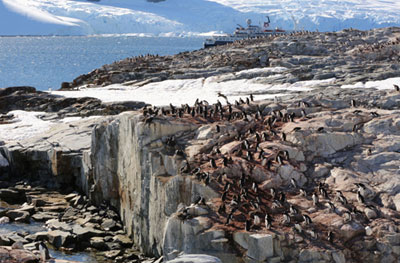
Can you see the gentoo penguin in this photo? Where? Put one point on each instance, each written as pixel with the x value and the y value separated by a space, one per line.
pixel 222 209
pixel 268 221
pixel 360 197
pixel 44 251
pixel 298 228
pixel 229 218
pixel 293 183
pixel 307 219
pixel 347 216
pixel 212 163
pixel 248 225
pixel 315 199
pixel 396 87
pixel 330 236
pixel 257 220
pixel 293 210
pixel 286 219
pixel 222 95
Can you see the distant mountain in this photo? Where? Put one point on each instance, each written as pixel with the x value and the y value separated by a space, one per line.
pixel 185 17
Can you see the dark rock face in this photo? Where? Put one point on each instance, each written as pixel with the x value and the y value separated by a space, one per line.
pixel 29 99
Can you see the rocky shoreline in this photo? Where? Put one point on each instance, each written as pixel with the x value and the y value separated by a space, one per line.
pixel 311 176
pixel 71 224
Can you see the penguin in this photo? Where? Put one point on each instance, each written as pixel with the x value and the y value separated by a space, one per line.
pixel 257 220
pixel 261 154
pixel 298 228
pixel 229 218
pixel 248 225
pixel 296 129
pixel 303 113
pixel 330 236
pixel 249 156
pixel 251 97
pixel 222 209
pixel 273 193
pixel 293 210
pixel 227 186
pixel 347 216
pixel 225 161
pixel 320 129
pixel 293 183
pixel 303 192
pixel 279 159
pixel 353 103
pixel 282 198
pixel 255 187
pixel 307 219
pixel 315 199
pixel 332 207
pixel 195 171
pixel 324 193
pixel 265 136
pixel 223 197
pixel 212 163
pixel 207 179
pixel 286 219
pixel 396 87
pixel 276 204
pixel 268 221
pixel 283 136
pixel 222 95
pixel 44 251
pixel 218 128
pixel 360 197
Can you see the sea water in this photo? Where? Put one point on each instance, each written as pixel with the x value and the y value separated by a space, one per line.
pixel 45 62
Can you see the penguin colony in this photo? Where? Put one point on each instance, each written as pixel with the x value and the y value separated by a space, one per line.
pixel 244 205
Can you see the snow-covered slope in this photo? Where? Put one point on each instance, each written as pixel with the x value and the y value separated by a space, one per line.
pixel 188 16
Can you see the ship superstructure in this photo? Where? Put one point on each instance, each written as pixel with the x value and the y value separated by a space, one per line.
pixel 251 31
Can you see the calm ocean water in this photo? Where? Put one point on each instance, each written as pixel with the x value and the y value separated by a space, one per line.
pixel 45 62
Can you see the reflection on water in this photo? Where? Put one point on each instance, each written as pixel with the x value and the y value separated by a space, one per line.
pixel 20 227
pixel 75 257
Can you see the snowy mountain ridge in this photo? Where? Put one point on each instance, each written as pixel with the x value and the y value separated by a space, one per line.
pixel 178 17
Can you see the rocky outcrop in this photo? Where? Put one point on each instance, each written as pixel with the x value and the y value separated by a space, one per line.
pixel 29 99
pixel 304 55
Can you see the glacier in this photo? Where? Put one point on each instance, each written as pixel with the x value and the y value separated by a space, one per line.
pixel 185 18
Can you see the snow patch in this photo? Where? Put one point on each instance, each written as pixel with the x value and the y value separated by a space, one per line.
pixel 184 91
pixel 378 84
pixel 27 124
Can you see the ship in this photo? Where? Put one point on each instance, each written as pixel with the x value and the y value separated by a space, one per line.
pixel 240 33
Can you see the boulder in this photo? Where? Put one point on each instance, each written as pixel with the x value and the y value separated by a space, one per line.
pixel 18 215
pixel 12 196
pixel 260 247
pixel 60 239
